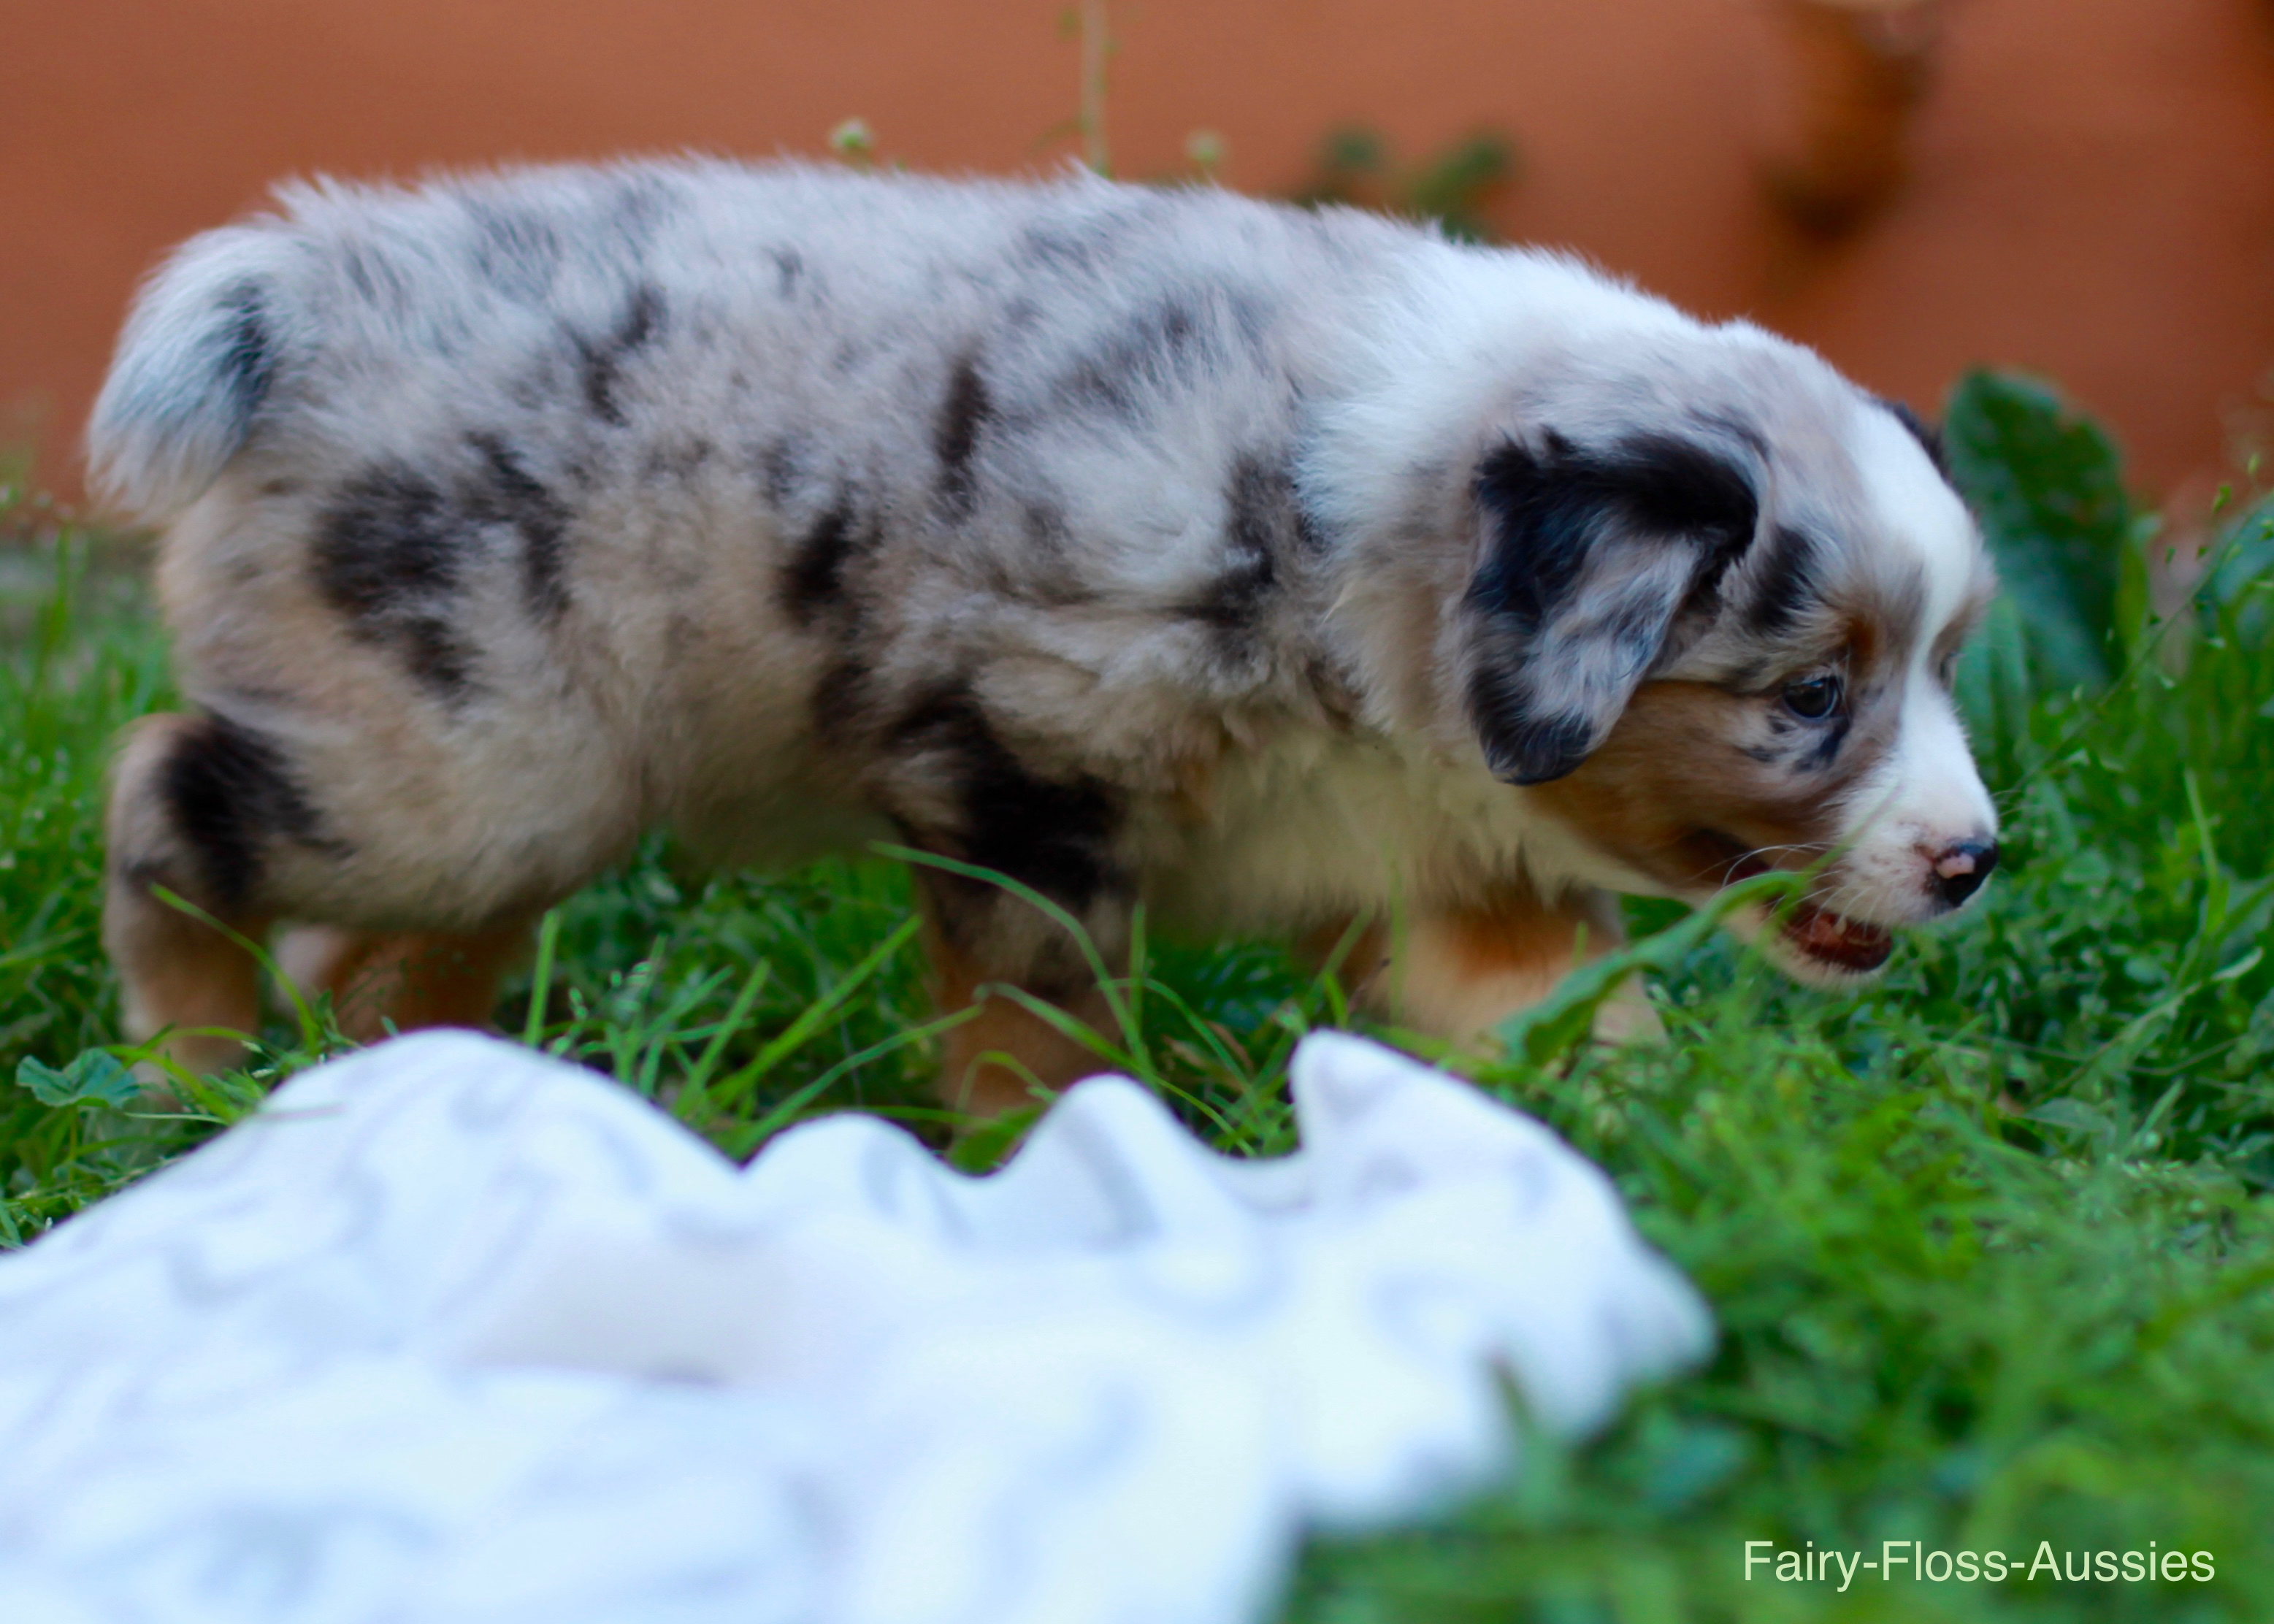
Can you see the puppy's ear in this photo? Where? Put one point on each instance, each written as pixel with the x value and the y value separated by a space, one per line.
pixel 1589 555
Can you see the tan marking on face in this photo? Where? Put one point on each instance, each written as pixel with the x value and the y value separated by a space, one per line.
pixel 1859 649
pixel 1672 793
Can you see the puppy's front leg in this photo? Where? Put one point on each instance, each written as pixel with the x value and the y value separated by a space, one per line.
pixel 403 982
pixel 980 940
pixel 1461 971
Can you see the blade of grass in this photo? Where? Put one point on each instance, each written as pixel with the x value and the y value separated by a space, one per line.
pixel 548 942
pixel 742 1083
pixel 1057 915
pixel 692 1099
pixel 783 1114
pixel 311 1029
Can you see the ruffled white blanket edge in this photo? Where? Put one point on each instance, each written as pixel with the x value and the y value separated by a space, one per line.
pixel 452 1333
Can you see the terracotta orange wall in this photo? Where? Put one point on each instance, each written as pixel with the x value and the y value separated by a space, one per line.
pixel 2093 194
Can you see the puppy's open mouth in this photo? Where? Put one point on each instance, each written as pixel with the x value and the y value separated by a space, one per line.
pixel 1834 939
pixel 1817 935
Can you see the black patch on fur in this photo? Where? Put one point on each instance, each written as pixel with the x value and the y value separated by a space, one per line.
pixel 247 362
pixel 1833 734
pixel 1264 514
pixel 789 271
pixel 1785 584
pixel 383 545
pixel 1057 247
pixel 438 656
pixel 1263 520
pixel 1056 837
pixel 641 202
pixel 1551 509
pixel 1550 513
pixel 963 416
pixel 517 251
pixel 1078 249
pixel 675 460
pixel 1040 573
pixel 363 270
pixel 813 581
pixel 1806 744
pixel 387 555
pixel 509 493
pixel 1929 437
pixel 1533 748
pixel 602 360
pixel 1155 346
pixel 841 697
pixel 1044 524
pixel 1093 383
pixel 781 469
pixel 230 796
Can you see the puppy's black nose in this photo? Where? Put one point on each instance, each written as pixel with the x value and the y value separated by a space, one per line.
pixel 1961 867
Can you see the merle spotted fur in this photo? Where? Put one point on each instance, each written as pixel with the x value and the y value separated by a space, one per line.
pixel 1142 545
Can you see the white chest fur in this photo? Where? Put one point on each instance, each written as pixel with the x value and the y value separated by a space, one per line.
pixel 1316 825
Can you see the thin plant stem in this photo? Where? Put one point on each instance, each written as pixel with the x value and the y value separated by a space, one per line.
pixel 1096 45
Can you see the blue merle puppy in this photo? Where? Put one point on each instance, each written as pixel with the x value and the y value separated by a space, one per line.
pixel 1271 569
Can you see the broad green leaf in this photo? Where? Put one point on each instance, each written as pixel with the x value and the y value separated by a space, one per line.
pixel 2049 491
pixel 1992 681
pixel 95 1077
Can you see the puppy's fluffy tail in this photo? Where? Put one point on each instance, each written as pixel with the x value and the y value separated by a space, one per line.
pixel 200 356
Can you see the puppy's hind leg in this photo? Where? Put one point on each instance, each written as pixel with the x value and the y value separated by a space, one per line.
pixel 404 980
pixel 196 803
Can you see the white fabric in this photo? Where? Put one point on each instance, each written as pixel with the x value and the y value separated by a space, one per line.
pixel 450 1332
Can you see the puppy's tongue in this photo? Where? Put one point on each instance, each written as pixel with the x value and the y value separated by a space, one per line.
pixel 1834 938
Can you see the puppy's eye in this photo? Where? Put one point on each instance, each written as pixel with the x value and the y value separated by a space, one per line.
pixel 1945 668
pixel 1814 698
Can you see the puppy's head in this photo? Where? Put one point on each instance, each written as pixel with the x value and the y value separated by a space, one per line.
pixel 1710 628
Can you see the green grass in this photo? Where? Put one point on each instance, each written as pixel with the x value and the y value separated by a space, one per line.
pixel 1991 1244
